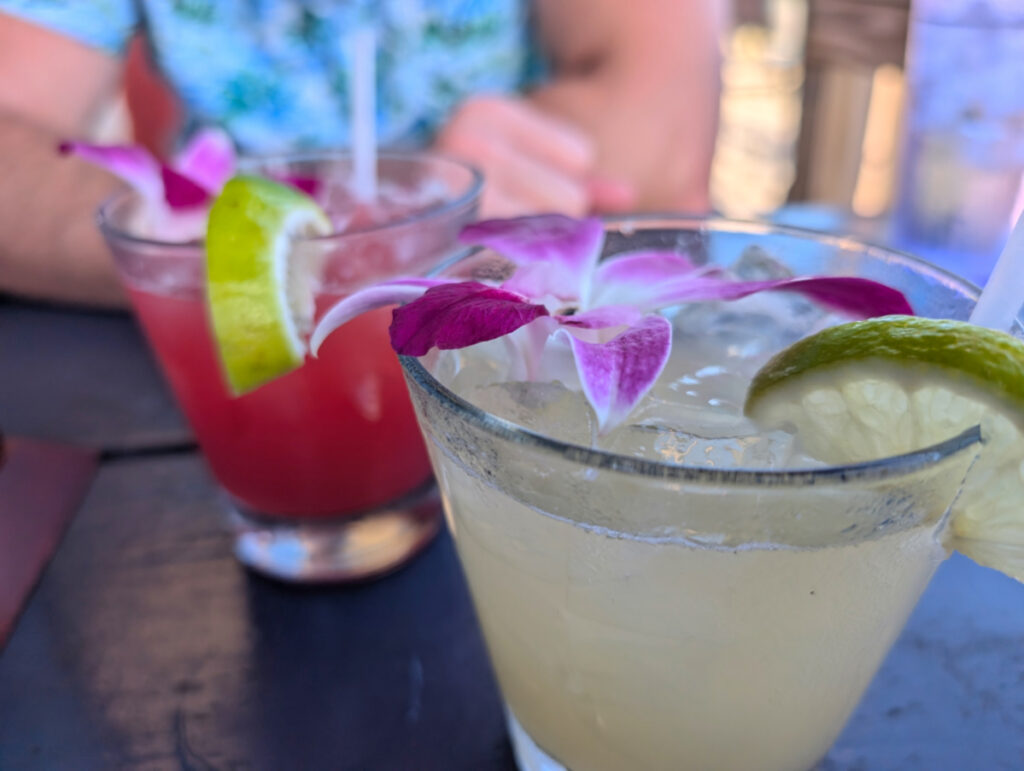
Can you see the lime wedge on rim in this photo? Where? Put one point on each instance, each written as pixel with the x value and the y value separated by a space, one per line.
pixel 886 386
pixel 260 299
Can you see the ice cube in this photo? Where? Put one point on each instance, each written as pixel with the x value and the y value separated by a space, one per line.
pixel 683 447
pixel 546 408
pixel 753 328
pixel 467 369
pixel 757 264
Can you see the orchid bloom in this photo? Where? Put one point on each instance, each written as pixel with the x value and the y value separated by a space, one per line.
pixel 194 176
pixel 605 311
pixel 178 194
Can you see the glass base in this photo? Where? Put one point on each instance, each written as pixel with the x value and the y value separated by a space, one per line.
pixel 529 757
pixel 353 548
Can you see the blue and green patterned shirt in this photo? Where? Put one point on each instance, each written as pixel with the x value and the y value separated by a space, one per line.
pixel 274 73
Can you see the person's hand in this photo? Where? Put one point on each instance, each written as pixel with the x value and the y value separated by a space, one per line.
pixel 532 162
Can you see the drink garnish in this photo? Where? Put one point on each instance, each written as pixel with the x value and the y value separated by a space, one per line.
pixel 260 298
pixel 605 313
pixel 562 294
pixel 885 386
pixel 189 181
pixel 177 195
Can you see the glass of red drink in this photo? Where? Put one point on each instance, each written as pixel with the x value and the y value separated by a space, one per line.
pixel 324 468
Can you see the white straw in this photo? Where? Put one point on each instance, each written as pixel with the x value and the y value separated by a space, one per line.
pixel 1000 302
pixel 362 45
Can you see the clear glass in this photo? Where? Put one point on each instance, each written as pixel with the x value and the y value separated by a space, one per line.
pixel 645 615
pixel 963 145
pixel 324 469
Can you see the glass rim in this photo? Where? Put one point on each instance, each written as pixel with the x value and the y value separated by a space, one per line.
pixel 104 213
pixel 761 228
pixel 866 471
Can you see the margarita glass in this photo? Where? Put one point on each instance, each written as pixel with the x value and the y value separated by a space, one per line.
pixel 684 592
pixel 324 468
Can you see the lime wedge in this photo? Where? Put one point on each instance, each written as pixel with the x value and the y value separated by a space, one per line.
pixel 890 385
pixel 260 300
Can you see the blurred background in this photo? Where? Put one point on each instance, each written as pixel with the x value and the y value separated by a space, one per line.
pixel 814 110
pixel 901 120
pixel 782 58
pixel 811 100
pixel 812 97
pixel 800 80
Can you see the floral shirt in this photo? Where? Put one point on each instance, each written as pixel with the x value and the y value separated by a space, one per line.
pixel 274 73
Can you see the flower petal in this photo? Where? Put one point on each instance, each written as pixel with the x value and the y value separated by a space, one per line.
pixel 617 374
pixel 605 316
pixel 600 324
pixel 455 315
pixel 208 159
pixel 555 254
pixel 132 163
pixel 856 297
pixel 156 183
pixel 400 290
pixel 633 277
pixel 851 296
pixel 180 192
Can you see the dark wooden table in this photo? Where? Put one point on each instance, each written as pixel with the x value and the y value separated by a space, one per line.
pixel 146 646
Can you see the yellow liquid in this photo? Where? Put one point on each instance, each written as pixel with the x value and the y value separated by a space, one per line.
pixel 620 653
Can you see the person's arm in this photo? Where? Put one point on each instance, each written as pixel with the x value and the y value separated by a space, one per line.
pixel 50 87
pixel 642 80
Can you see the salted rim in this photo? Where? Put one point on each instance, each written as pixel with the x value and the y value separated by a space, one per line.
pixel 874 470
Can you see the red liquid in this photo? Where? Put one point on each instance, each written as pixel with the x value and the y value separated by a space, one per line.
pixel 337 436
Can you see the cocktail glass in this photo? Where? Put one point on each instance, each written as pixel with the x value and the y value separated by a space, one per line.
pixel 643 614
pixel 325 471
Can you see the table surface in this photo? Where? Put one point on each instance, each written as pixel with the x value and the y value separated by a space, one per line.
pixel 145 645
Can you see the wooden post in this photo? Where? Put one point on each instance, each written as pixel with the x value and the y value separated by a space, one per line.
pixel 847 41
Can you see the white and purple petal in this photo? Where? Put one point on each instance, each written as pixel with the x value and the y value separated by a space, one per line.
pixel 456 315
pixel 161 186
pixel 600 324
pixel 208 159
pixel 393 292
pixel 134 164
pixel 555 255
pixel 530 348
pixel 850 296
pixel 633 278
pixel 617 374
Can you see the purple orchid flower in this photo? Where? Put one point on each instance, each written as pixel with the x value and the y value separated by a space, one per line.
pixel 195 175
pixel 178 194
pixel 605 312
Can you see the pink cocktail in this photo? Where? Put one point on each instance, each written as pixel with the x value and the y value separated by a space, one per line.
pixel 325 467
